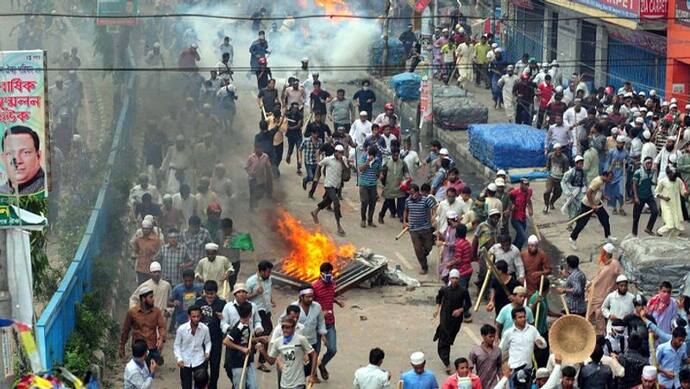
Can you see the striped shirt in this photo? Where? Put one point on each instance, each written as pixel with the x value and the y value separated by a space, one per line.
pixel 419 213
pixel 196 243
pixel 369 176
pixel 309 150
pixel 576 299
pixel 170 259
pixel 324 294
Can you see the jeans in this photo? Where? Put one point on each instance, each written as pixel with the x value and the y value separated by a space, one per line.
pixel 523 113
pixel 187 375
pixel 367 198
pixel 294 141
pixel 249 378
pixel 317 349
pixel 637 212
pixel 311 172
pixel 582 222
pixel 520 227
pixel 331 197
pixel 423 243
pixel 332 347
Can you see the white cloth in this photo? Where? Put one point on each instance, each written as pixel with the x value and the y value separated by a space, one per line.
pixel 161 293
pixel 137 377
pixel 191 349
pixel 215 270
pixel 661 161
pixel 521 345
pixel 333 173
pixel 617 305
pixel 411 159
pixel 359 132
pixel 231 317
pixel 371 377
pixel 648 150
pixel 511 257
pixel 186 206
pixel 136 192
pixel 506 83
pixel 444 206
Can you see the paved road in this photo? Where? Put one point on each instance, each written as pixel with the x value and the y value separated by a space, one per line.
pixel 390 317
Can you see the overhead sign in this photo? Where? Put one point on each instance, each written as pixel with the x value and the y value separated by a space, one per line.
pixel 106 8
pixel 683 12
pixel 23 124
pixel 653 9
pixel 651 42
pixel 624 8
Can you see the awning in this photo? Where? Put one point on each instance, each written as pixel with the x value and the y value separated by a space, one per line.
pixel 583 9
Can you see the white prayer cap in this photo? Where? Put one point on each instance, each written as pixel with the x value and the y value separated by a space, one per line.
pixel 417 358
pixel 155 266
pixel 609 247
pixel 339 148
pixel 664 103
pixel 510 67
pixel 149 218
pixel 494 45
pixel 673 100
pixel 650 114
pixel 642 94
pixel 673 105
pixel 639 120
pixel 532 239
pixel 621 278
pixel 494 211
pixel 687 106
pixel 211 247
pixel 652 92
pixel 305 59
pixel 363 113
pixel 443 151
pixel 500 182
pixel 543 372
pixel 559 89
pixel 629 94
pixel 649 372
pixel 444 30
pixel 646 134
pixel 579 158
pixel 620 138
pixel 454 273
pixel 501 172
pixel 167 197
pixel 615 130
pixel 557 146
pixel 146 224
pixel 498 50
pixel 451 215
pixel 492 187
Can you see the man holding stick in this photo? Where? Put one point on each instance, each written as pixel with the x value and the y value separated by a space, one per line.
pixel 592 203
pixel 238 358
pixel 538 303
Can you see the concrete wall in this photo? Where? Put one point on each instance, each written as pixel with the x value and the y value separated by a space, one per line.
pixel 601 56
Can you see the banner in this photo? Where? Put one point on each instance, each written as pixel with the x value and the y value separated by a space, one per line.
pixel 654 9
pixel 683 12
pixel 624 8
pixel 116 8
pixel 425 101
pixel 23 123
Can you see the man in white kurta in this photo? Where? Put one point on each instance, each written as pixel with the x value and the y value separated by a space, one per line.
pixel 464 53
pixel 669 190
pixel 506 83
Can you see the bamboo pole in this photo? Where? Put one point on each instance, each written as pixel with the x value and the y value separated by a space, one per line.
pixel 565 305
pixel 589 300
pixel 541 289
pixel 482 290
pixel 246 360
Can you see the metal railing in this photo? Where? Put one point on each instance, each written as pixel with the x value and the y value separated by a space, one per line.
pixel 58 319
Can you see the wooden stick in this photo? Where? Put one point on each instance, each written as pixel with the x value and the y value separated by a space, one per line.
pixel 524 284
pixel 246 360
pixel 565 306
pixel 490 269
pixel 578 217
pixel 400 385
pixel 541 289
pixel 482 290
pixel 589 300
pixel 652 351
pixel 404 230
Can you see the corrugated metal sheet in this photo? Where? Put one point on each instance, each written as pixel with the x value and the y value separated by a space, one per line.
pixel 643 68
pixel 526 33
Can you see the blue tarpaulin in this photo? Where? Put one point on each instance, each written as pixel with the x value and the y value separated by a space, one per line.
pixel 396 53
pixel 406 86
pixel 505 145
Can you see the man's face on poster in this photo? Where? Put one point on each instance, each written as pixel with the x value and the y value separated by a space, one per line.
pixel 21 158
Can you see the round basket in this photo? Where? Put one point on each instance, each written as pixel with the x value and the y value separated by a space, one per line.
pixel 573 337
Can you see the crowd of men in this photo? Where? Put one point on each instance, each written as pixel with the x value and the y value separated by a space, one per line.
pixel 600 147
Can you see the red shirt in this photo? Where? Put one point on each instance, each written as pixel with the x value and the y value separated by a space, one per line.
pixel 463 252
pixel 458 185
pixel 324 294
pixel 520 198
pixel 545 93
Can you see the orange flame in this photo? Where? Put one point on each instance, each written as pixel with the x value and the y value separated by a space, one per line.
pixel 309 249
pixel 331 7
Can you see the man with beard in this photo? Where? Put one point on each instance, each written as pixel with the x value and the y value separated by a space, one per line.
pixel 259 289
pixel 619 303
pixel 670 191
pixel 146 322
pixel 643 195
pixel 451 301
pixel 506 83
pixel 591 203
pixel 160 287
pixel 211 315
pixel 536 264
pixel 325 295
pixel 213 267
pixel 574 185
pixel 603 283
pixel 661 162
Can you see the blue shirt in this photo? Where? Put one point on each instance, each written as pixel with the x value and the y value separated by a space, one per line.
pixel 412 380
pixel 369 176
pixel 186 297
pixel 362 96
pixel 419 212
pixel 669 358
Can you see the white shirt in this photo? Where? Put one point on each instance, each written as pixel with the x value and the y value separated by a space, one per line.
pixel 136 193
pixel 278 332
pixel 648 150
pixel 521 345
pixel 636 147
pixel 511 257
pixel 186 206
pixel 231 317
pixel 137 377
pixel 189 348
pixel 571 118
pixel 371 377
pixel 334 172
pixel 412 161
pixel 389 140
pixel 443 207
pixel 360 131
pixel 661 161
pixel 617 305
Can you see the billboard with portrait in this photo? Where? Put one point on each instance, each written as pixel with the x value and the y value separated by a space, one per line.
pixel 23 120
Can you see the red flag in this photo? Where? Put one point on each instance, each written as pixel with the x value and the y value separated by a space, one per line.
pixel 421 4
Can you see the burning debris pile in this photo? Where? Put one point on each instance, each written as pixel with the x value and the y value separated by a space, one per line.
pixel 310 248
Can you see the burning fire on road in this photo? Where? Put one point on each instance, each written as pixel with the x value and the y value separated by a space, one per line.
pixel 309 249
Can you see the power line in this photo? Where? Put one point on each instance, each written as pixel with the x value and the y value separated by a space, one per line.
pixel 316 16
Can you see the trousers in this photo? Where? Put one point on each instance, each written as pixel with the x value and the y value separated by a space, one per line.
pixel 214 364
pixel 637 212
pixel 395 206
pixel 187 375
pixel 331 197
pixel 553 191
pixel 423 242
pixel 267 324
pixel 602 215
pixel 367 199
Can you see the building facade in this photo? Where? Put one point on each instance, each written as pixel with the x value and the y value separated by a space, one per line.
pixel 678 55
